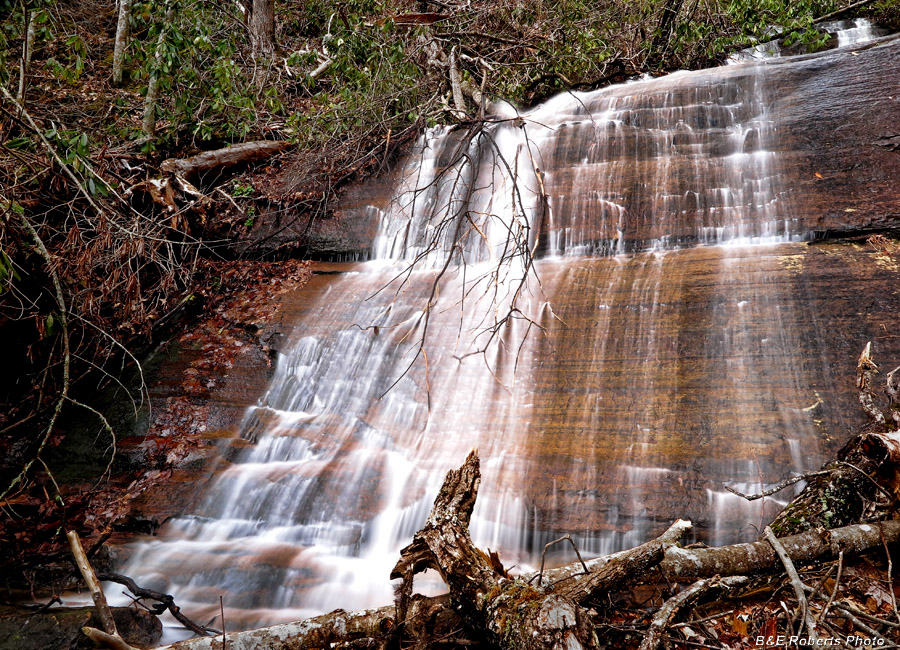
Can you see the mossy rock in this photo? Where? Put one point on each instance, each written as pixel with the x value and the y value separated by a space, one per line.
pixel 60 628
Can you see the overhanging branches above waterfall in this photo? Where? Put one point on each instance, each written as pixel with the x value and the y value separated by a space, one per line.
pixel 472 211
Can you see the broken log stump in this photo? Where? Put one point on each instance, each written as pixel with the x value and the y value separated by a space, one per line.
pixel 510 612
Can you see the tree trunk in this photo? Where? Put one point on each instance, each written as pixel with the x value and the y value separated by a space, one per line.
pixel 27 50
pixel 660 43
pixel 149 122
pixel 262 28
pixel 121 41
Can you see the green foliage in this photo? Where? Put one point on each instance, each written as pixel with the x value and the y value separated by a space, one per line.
pixel 203 87
pixel 13 28
pixel 69 69
pixel 8 272
pixel 887 14
pixel 240 189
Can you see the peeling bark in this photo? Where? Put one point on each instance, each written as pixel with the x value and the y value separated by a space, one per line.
pixel 314 632
pixel 510 613
pixel 753 557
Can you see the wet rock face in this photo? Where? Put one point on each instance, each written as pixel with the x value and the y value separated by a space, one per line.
pixel 667 376
pixel 838 135
pixel 60 628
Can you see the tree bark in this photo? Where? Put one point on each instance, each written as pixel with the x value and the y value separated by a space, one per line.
pixel 262 28
pixel 221 159
pixel 152 97
pixel 27 50
pixel 425 617
pixel 121 41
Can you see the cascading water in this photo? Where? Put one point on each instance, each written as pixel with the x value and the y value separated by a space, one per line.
pixel 610 385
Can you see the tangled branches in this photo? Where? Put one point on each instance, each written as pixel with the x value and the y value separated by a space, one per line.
pixel 86 272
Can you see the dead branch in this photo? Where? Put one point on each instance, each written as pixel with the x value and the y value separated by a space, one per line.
pixel 316 632
pixel 104 613
pixel 752 557
pixel 865 374
pixel 619 569
pixel 670 608
pixel 779 487
pixel 166 602
pixel 796 583
pixel 221 159
pixel 103 640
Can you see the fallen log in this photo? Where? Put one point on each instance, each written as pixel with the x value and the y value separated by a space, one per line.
pixel 222 159
pixel 425 616
pixel 753 557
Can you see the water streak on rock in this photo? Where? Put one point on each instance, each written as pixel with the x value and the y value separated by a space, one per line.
pixel 670 339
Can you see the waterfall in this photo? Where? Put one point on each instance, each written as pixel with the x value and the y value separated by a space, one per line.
pixel 599 294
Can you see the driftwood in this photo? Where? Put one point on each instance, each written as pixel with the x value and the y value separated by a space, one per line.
pixel 90 578
pixel 221 159
pixel 109 635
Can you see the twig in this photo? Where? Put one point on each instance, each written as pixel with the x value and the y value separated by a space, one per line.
pixel 712 617
pixel 672 605
pixel 66 360
pixel 878 487
pixel 779 487
pixel 847 613
pixel 52 151
pixel 867 616
pixel 796 583
pixel 837 582
pixel 166 601
pixel 222 611
pixel 556 541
